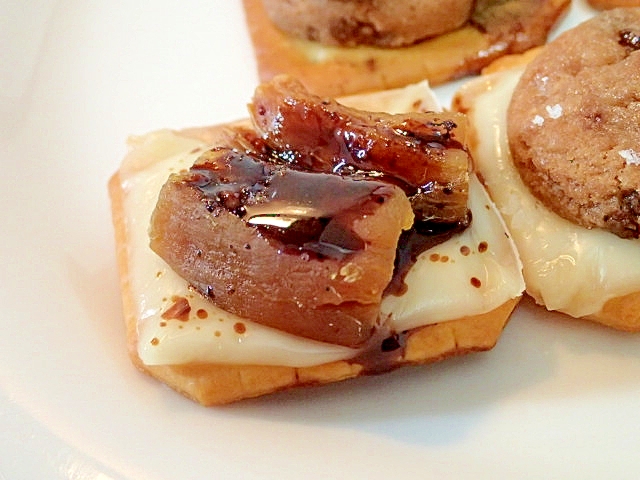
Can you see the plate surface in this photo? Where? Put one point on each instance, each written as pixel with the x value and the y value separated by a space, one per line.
pixel 555 399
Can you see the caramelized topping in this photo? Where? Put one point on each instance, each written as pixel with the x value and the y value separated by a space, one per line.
pixel 297 211
pixel 299 228
pixel 421 153
pixel 285 248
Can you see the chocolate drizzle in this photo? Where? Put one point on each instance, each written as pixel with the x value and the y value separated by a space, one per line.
pixel 260 185
pixel 422 237
pixel 299 211
pixel 629 39
pixel 295 224
pixel 420 153
pixel 384 353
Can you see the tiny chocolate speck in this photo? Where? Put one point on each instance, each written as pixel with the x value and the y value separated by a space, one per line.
pixel 371 64
pixel 390 344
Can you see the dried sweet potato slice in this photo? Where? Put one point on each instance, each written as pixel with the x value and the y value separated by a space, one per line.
pixel 307 253
pixel 423 153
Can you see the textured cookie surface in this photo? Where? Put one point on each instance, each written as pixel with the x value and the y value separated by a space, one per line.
pixel 371 22
pixel 573 124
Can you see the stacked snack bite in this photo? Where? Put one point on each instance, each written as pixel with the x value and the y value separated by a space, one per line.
pixel 341 47
pixel 314 243
pixel 564 166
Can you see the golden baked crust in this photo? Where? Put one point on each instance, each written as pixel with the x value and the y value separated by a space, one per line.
pixel 495 29
pixel 608 4
pixel 621 313
pixel 211 384
pixel 511 61
pixel 385 23
pixel 214 384
pixel 571 124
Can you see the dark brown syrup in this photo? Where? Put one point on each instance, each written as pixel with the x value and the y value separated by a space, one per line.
pixel 299 211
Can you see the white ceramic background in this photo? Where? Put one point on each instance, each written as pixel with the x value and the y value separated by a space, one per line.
pixel 555 399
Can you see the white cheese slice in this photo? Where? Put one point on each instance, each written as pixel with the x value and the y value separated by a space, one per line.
pixel 566 267
pixel 476 271
pixel 437 290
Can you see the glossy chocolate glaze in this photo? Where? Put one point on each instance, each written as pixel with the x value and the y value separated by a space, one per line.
pixel 421 153
pixel 259 184
pixel 299 211
pixel 315 210
pixel 423 236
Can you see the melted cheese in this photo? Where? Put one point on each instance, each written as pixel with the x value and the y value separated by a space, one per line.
pixel 437 290
pixel 566 267
pixel 474 271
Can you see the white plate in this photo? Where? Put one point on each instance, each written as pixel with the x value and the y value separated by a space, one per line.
pixel 555 399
